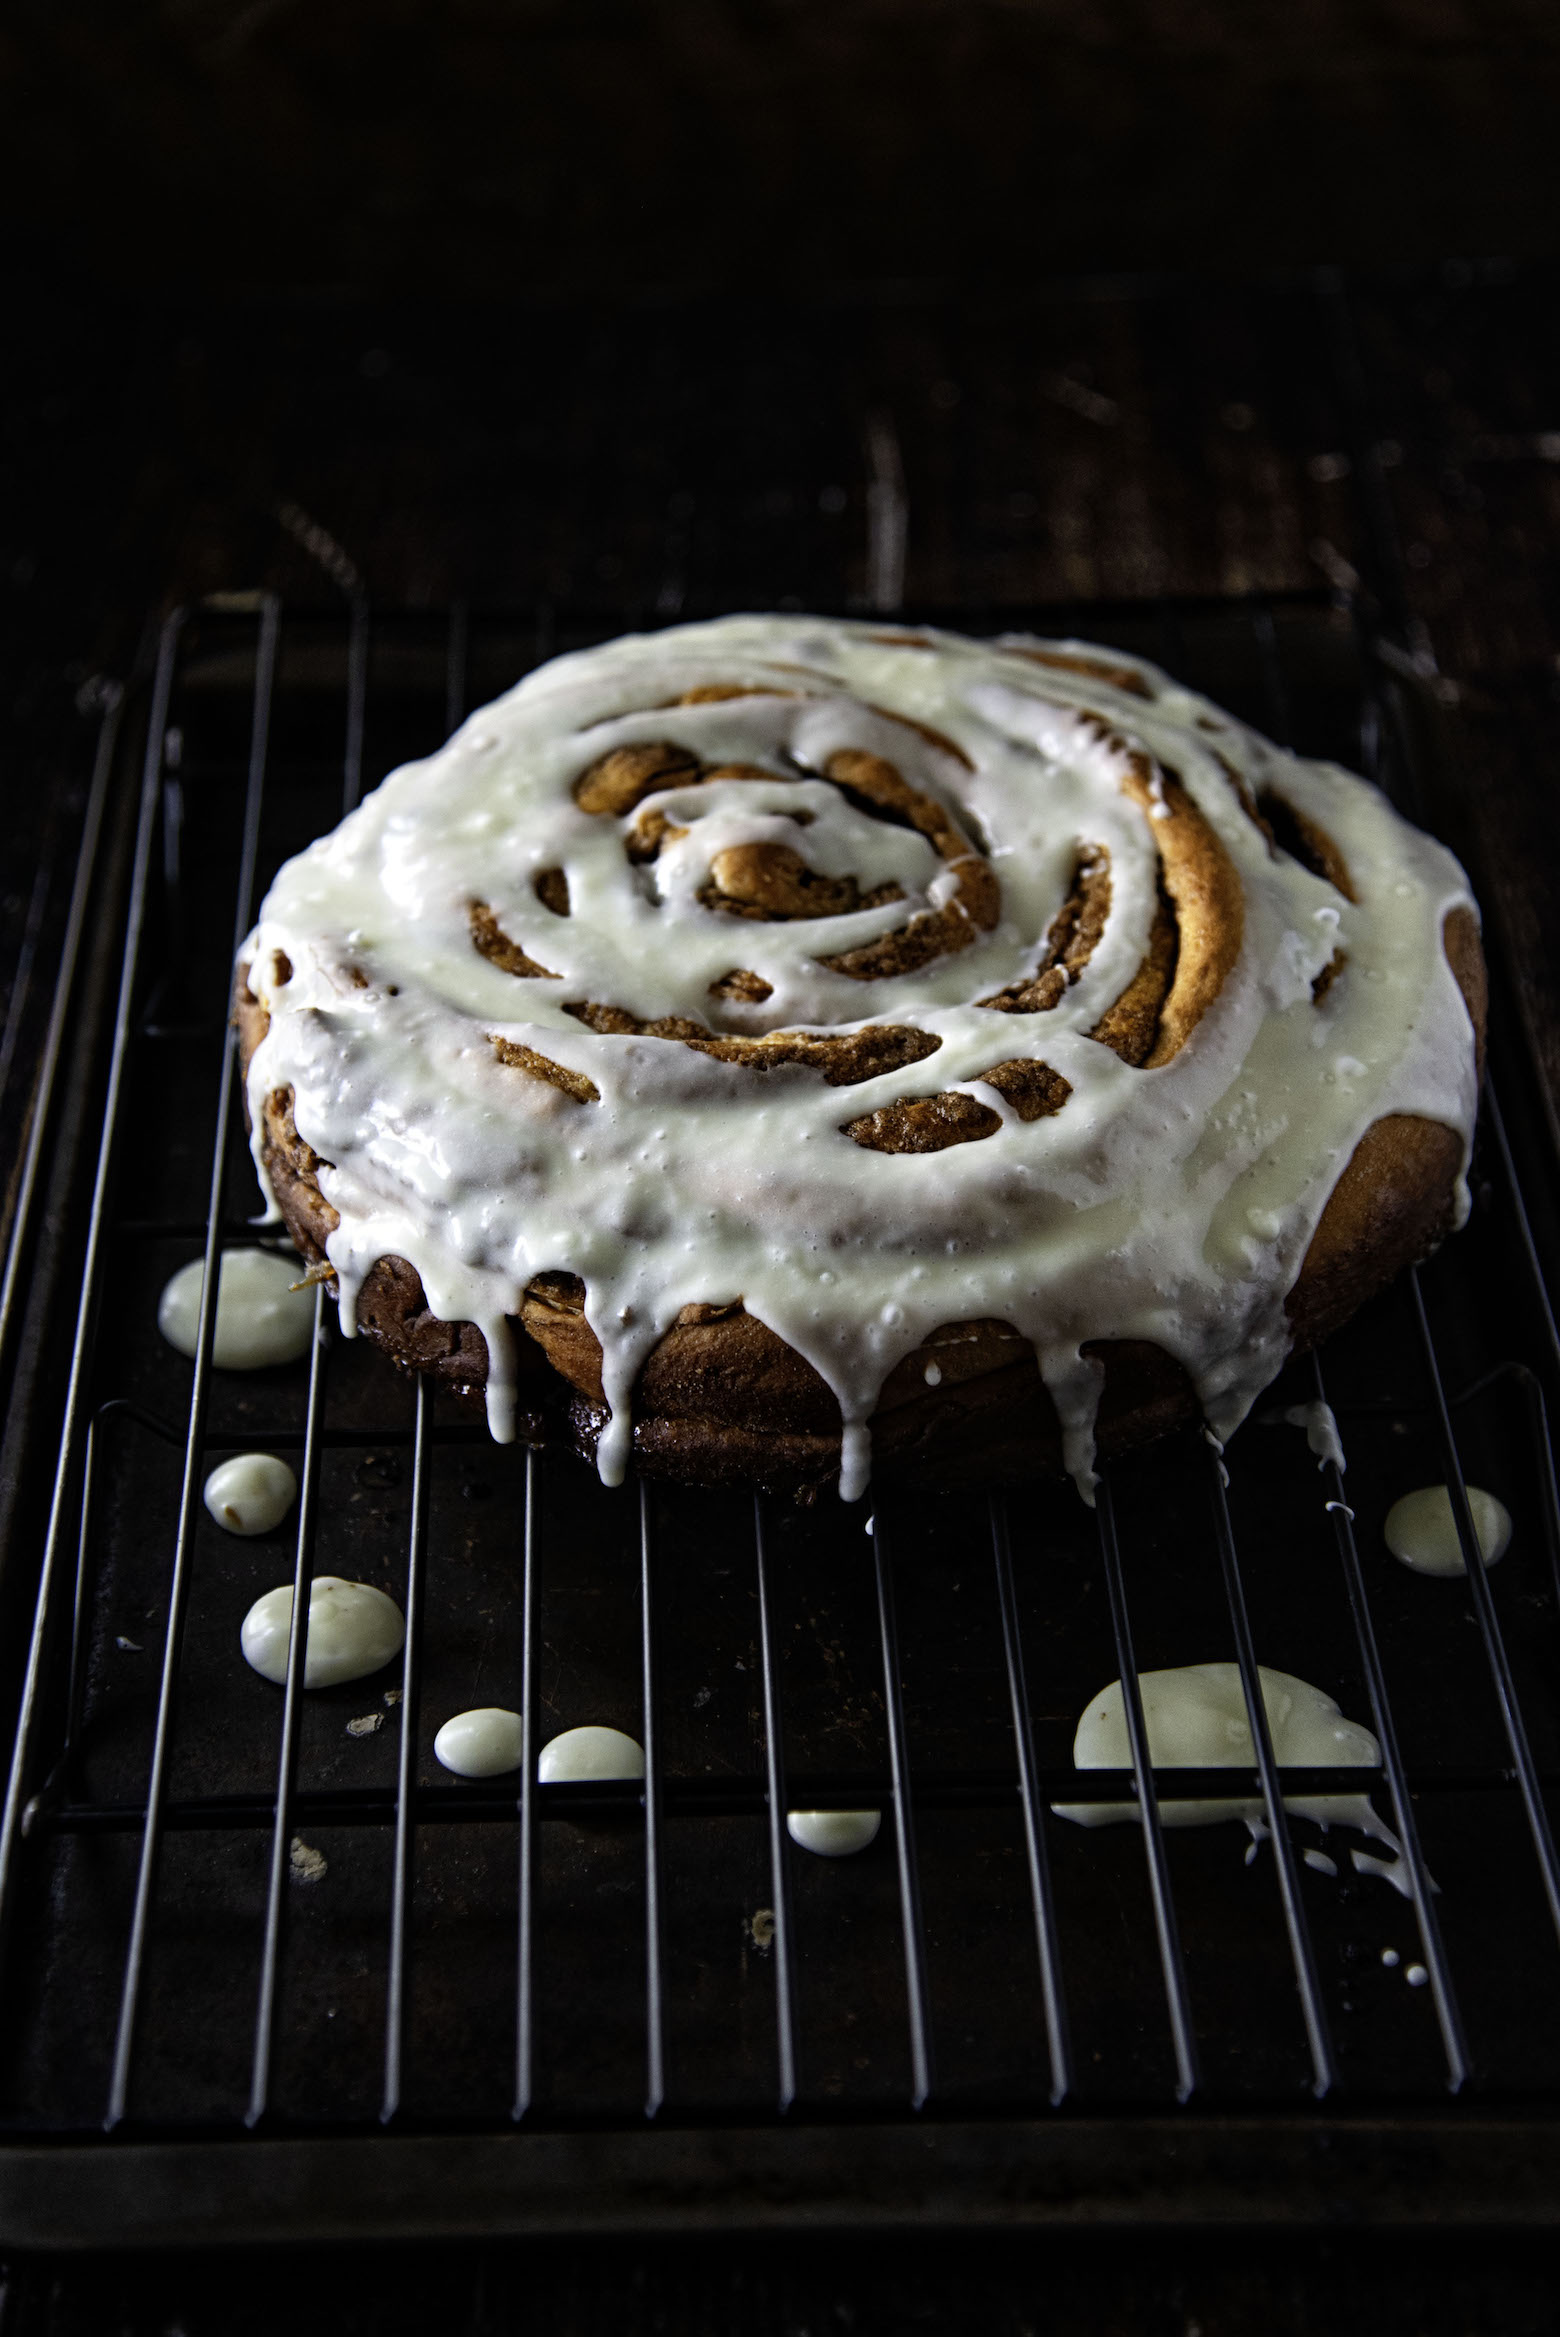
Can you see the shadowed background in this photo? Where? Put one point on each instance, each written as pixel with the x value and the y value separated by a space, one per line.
pixel 644 308
pixel 478 145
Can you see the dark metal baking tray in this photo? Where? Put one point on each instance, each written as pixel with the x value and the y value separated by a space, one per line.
pixel 613 2007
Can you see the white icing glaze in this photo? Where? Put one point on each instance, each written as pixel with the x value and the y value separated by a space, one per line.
pixel 833 1833
pixel 482 1743
pixel 584 1753
pixel 1174 1204
pixel 1196 1719
pixel 261 1317
pixel 1321 1431
pixel 1422 1532
pixel 251 1493
pixel 353 1630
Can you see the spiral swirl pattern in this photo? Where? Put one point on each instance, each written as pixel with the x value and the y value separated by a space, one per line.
pixel 868 981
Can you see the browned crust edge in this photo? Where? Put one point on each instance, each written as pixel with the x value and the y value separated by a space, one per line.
pixel 989 1419
pixel 1396 1197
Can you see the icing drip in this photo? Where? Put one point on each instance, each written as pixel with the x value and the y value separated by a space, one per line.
pixel 1169 1199
pixel 1196 1719
pixel 1321 1431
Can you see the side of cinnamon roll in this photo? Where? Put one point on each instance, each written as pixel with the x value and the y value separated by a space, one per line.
pixel 823 1048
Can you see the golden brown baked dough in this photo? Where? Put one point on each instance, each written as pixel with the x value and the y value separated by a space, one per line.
pixel 593 990
pixel 723 1400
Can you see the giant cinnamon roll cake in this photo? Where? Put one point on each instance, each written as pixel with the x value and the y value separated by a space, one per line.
pixel 826 1048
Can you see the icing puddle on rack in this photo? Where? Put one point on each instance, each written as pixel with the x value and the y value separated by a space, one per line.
pixel 1421 1530
pixel 485 1742
pixel 1196 1719
pixel 353 1630
pixel 833 1833
pixel 251 1493
pixel 582 1755
pixel 263 1315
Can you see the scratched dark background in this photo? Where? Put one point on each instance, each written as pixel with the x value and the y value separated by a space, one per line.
pixel 631 305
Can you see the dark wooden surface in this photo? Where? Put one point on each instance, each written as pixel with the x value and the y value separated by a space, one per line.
pixel 477 145
pixel 679 452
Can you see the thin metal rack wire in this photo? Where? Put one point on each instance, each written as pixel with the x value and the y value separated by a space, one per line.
pixel 775 1812
pixel 195 1434
pixel 42 1805
pixel 525 2006
pixel 1489 1622
pixel 75 1425
pixel 1047 1944
pixel 654 1809
pixel 1145 1790
pixel 24 1196
pixel 401 1886
pixel 1384 1729
pixel 911 1918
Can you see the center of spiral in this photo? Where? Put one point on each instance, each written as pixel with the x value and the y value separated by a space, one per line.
pixel 851 839
pixel 773 850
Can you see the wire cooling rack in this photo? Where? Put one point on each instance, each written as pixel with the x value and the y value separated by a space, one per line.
pixel 258 1940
